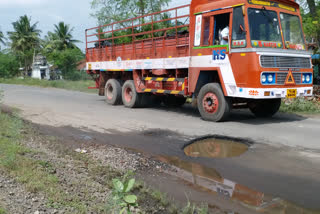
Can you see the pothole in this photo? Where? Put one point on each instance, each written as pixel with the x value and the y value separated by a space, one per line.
pixel 216 147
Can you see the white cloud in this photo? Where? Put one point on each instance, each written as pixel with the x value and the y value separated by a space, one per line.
pixel 21 2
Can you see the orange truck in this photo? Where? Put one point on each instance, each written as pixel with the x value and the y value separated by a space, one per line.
pixel 223 54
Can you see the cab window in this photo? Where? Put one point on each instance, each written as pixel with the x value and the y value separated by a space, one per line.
pixel 221 29
pixel 238 29
pixel 206 31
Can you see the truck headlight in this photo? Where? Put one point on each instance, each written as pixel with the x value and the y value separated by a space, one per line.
pixel 270 78
pixel 264 78
pixel 308 78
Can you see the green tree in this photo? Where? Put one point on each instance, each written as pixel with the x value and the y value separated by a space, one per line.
pixel 60 49
pixel 50 43
pixel 108 11
pixel 60 39
pixel 9 65
pixel 312 7
pixel 63 33
pixel 2 38
pixel 24 41
pixel 67 60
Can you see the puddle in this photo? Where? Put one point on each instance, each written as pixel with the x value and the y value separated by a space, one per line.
pixel 215 147
pixel 211 180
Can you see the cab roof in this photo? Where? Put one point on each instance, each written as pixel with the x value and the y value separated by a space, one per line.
pixel 198 6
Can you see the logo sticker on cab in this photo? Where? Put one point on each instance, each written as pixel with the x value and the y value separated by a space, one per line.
pixel 219 54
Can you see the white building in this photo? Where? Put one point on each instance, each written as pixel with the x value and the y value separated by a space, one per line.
pixel 40 68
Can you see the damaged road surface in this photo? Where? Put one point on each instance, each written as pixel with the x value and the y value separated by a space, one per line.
pixel 246 165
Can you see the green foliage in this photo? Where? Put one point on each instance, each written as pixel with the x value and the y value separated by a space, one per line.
pixel 1 97
pixel 66 60
pixel 311 26
pixel 2 211
pixel 191 209
pixel 9 65
pixel 108 11
pixel 122 198
pixel 2 39
pixel 60 39
pixel 60 49
pixel 24 40
pixel 300 105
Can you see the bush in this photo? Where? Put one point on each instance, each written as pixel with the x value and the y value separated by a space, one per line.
pixel 300 105
pixel 67 60
pixel 9 66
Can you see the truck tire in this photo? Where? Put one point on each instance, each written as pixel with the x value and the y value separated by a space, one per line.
pixel 130 97
pixel 113 92
pixel 212 104
pixel 264 108
pixel 172 101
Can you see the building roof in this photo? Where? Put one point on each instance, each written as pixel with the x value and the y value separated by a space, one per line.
pixel 81 65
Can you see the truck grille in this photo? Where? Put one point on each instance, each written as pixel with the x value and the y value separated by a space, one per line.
pixel 285 62
pixel 281 78
pixel 297 77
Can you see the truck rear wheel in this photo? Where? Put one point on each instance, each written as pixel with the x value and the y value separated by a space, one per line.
pixel 130 97
pixel 212 104
pixel 265 108
pixel 113 92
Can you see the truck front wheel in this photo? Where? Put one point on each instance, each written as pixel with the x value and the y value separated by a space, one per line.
pixel 130 97
pixel 212 104
pixel 265 107
pixel 113 92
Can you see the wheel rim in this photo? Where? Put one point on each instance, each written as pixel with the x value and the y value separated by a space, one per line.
pixel 128 94
pixel 210 103
pixel 109 92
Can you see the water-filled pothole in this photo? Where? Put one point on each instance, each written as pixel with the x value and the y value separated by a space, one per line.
pixel 216 147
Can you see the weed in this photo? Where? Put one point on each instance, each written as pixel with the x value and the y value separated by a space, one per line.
pixel 192 209
pixel 160 197
pixel 300 105
pixel 122 197
pixel 2 211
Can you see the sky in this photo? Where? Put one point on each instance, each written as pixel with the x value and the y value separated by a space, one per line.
pixel 50 12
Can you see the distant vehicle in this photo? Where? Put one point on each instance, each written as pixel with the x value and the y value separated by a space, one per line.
pixel 190 53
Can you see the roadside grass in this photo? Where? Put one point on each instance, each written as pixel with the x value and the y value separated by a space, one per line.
pixel 300 105
pixel 35 175
pixel 2 210
pixel 81 85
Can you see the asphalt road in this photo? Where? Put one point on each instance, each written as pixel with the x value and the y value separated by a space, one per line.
pixel 62 108
pixel 283 160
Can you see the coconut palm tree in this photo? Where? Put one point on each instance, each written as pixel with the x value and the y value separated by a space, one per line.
pixel 2 38
pixel 24 40
pixel 63 33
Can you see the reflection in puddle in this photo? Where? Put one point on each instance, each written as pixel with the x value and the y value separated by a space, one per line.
pixel 211 180
pixel 215 148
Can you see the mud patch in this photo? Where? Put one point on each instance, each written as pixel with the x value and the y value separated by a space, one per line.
pixel 217 147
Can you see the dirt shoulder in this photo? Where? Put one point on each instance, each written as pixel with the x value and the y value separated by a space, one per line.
pixel 45 174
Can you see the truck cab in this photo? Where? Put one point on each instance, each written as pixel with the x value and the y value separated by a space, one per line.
pixel 263 59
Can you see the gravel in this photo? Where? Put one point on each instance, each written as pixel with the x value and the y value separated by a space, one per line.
pixel 84 175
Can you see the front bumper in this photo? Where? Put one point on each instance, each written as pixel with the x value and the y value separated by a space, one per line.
pixel 268 93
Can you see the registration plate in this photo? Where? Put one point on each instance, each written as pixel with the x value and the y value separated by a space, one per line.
pixel 291 93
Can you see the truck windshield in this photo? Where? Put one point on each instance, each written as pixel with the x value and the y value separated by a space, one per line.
pixel 264 28
pixel 292 31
